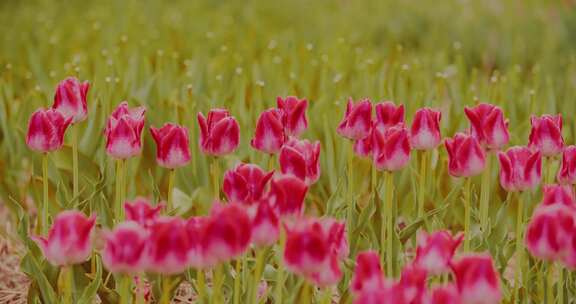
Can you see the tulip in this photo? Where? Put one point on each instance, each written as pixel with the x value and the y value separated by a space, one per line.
pixel 302 159
pixel 196 228
pixel 447 294
pixel 219 133
pixel 546 135
pixel 69 239
pixel 167 246
pixel 558 194
pixel 245 183
pixel 172 145
pixel 363 147
pixel 142 212
pixel 569 258
pixel 293 114
pixel 70 99
pixel 265 226
pixel 388 295
pixel 388 115
pixel 567 172
pixel 124 248
pixel 391 148
pixel 46 130
pixel 477 280
pixel 550 230
pixel 269 136
pixel 124 131
pixel 425 130
pixel 357 120
pixel 435 251
pixel 466 156
pixel 488 125
pixel 520 169
pixel 413 284
pixel 367 273
pixel 287 194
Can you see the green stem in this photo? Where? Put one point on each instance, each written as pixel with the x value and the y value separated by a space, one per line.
pixel 519 247
pixel 560 285
pixel 171 180
pixel 326 296
pixel 271 162
pixel 550 284
pixel 75 186
pixel 388 223
pixel 140 290
pixel 217 297
pixel 541 280
pixel 485 194
pixel 166 282
pixel 237 292
pixel 119 202
pixel 257 273
pixel 467 207
pixel 215 178
pixel 45 205
pixel 305 296
pixel 549 177
pixel 68 273
pixel 280 271
pixel 422 183
pixel 125 289
pixel 350 192
pixel 201 279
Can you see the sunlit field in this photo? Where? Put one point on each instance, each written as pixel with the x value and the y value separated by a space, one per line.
pixel 404 152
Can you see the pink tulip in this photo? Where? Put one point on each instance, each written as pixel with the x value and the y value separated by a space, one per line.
pixel 245 183
pixel 364 147
pixel 558 194
pixel 488 125
pixel 227 233
pixel 391 148
pixel 269 136
pixel 70 99
pixel 124 248
pixel 466 156
pixel 413 284
pixel 265 226
pixel 550 230
pixel 425 130
pixel 142 212
pixel 196 228
pixel 567 172
pixel 569 257
pixel 546 135
pixel 477 279
pixel 447 294
pixel 124 131
pixel 219 133
pixel 520 169
pixel 302 159
pixel 388 115
pixel 168 246
pixel 287 194
pixel 388 295
pixel 357 120
pixel 435 251
pixel 367 273
pixel 293 114
pixel 172 145
pixel 46 130
pixel 69 239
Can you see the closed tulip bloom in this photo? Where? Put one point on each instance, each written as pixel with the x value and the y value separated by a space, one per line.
pixel 293 114
pixel 46 130
pixel 567 172
pixel 367 273
pixel 219 133
pixel 357 120
pixel 124 131
pixel 569 257
pixel 546 135
pixel 477 279
pixel 466 157
pixel 265 225
pixel 302 159
pixel 558 194
pixel 227 233
pixel 447 294
pixel 388 115
pixel 142 212
pixel 172 145
pixel 69 239
pixel 70 99
pixel 391 148
pixel 269 136
pixel 245 183
pixel 520 169
pixel 196 228
pixel 413 283
pixel 287 194
pixel 488 125
pixel 425 130
pixel 124 248
pixel 363 147
pixel 549 231
pixel 167 246
pixel 435 251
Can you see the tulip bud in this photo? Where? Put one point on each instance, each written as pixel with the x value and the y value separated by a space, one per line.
pixel 70 99
pixel 425 130
pixel 302 159
pixel 444 295
pixel 265 226
pixel 287 194
pixel 124 131
pixel 245 183
pixel 435 251
pixel 269 136
pixel 388 115
pixel 69 239
pixel 357 120
pixel 550 230
pixel 219 134
pixel 142 212
pixel 46 130
pixel 367 273
pixel 391 148
pixel 477 280
pixel 520 169
pixel 168 246
pixel 546 135
pixel 172 145
pixel 558 194
pixel 466 157
pixel 124 248
pixel 488 125
pixel 567 172
pixel 293 114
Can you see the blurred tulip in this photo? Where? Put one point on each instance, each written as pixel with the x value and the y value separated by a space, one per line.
pixel 391 148
pixel 367 273
pixel 425 130
pixel 357 120
pixel 488 125
pixel 46 130
pixel 124 248
pixel 69 239
pixel 477 279
pixel 142 212
pixel 245 183
pixel 287 194
pixel 558 194
pixel 387 295
pixel 364 147
pixel 520 169
pixel 293 114
pixel 168 246
pixel 567 172
pixel 546 135
pixel 70 99
pixel 172 145
pixel 413 284
pixel 219 133
pixel 269 136
pixel 435 251
pixel 124 131
pixel 265 226
pixel 388 115
pixel 302 159
pixel 196 228
pixel 549 232
pixel 569 257
pixel 447 294
pixel 466 157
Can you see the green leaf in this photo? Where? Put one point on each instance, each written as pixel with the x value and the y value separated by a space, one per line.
pixel 90 291
pixel 30 266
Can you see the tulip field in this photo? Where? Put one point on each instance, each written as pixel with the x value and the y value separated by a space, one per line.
pixel 366 152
